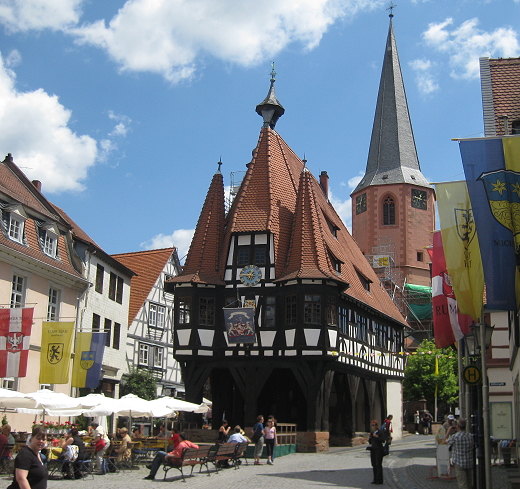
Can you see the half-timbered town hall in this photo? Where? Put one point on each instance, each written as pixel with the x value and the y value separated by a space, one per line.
pixel 327 336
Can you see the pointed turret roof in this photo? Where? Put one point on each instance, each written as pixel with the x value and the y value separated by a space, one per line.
pixel 202 263
pixel 267 197
pixel 392 157
pixel 308 255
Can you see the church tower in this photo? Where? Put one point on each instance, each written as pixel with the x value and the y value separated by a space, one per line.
pixel 393 210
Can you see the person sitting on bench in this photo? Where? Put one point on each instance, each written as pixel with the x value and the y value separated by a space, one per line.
pixel 162 457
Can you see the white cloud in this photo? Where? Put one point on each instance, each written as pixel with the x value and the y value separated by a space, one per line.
pixel 121 128
pixel 35 130
pixel 424 78
pixel 24 15
pixel 181 239
pixel 170 36
pixel 465 44
pixel 13 59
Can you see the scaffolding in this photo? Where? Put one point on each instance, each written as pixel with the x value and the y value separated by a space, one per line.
pixel 236 178
pixel 384 260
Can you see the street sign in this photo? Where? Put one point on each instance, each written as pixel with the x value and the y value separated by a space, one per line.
pixel 472 375
pixel 497 384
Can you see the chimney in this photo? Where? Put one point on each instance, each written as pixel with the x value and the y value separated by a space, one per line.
pixel 37 184
pixel 324 183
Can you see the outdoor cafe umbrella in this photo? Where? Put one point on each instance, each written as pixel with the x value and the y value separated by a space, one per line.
pixel 47 402
pixel 14 399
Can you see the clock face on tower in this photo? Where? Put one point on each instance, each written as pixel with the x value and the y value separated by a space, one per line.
pixel 418 199
pixel 250 275
pixel 361 203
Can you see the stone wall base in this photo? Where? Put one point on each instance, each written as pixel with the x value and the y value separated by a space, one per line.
pixel 312 442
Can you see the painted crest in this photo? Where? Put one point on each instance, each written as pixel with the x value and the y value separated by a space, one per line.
pixel 87 359
pixel 14 342
pixel 466 229
pixel 55 353
pixel 503 194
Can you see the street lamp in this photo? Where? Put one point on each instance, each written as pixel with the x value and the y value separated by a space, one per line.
pixel 478 341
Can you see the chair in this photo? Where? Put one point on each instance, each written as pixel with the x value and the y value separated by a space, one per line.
pixel 86 467
pixel 110 464
pixel 6 459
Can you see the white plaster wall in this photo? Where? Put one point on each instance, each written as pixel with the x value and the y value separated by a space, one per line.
pixel 394 402
pixel 98 303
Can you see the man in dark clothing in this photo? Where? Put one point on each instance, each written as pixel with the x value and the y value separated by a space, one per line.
pixel 377 442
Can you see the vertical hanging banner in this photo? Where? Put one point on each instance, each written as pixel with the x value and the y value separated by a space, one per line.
pixel 449 325
pixel 55 352
pixel 86 369
pixel 461 246
pixel 490 202
pixel 15 337
pixel 240 325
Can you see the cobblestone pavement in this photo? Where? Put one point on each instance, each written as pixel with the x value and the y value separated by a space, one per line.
pixel 407 467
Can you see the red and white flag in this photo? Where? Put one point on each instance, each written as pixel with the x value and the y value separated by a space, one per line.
pixel 449 325
pixel 15 336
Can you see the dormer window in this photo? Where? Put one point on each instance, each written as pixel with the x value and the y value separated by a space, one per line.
pixel 49 234
pixel 14 220
pixel 16 225
pixel 515 127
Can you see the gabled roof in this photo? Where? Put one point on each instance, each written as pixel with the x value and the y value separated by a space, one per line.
pixel 148 265
pixel 392 157
pixel 17 188
pixel 500 80
pixel 202 264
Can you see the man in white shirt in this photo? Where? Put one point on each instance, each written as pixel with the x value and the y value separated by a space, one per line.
pixel 237 436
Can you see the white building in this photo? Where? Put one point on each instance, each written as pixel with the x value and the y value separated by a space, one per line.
pixel 150 335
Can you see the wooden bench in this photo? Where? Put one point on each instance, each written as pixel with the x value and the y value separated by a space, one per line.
pixel 190 458
pixel 240 452
pixel 222 453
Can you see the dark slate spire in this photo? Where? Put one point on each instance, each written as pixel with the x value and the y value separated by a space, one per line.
pixel 270 109
pixel 392 157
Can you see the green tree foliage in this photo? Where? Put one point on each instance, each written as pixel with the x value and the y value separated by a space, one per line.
pixel 140 382
pixel 420 379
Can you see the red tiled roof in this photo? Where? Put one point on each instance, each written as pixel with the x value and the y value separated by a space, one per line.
pixel 505 80
pixel 202 264
pixel 276 196
pixel 308 255
pixel 76 230
pixel 267 197
pixel 148 265
pixel 15 185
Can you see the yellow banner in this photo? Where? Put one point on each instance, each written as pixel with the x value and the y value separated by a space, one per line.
pixel 56 352
pixel 461 246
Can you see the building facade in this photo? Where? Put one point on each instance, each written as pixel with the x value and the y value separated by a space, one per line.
pixel 327 351
pixel 38 269
pixel 150 318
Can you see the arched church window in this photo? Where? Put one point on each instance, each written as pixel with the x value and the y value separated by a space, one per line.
pixel 388 211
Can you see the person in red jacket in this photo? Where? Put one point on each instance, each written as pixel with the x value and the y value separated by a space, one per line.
pixel 163 456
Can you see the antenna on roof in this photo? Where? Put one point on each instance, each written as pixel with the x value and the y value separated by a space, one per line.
pixel 391 8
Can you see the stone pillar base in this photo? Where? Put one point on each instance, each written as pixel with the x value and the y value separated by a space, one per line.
pixel 312 442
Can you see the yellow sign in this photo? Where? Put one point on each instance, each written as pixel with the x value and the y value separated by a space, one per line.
pixel 472 375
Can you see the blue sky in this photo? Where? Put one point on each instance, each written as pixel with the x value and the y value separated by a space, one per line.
pixel 123 108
